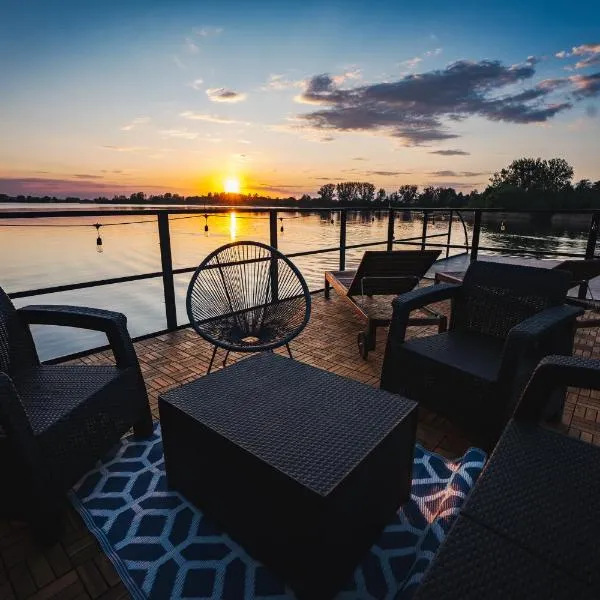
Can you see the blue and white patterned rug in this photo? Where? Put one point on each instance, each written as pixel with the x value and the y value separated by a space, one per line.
pixel 164 547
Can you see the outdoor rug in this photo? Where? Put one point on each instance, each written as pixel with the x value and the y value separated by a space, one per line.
pixel 163 547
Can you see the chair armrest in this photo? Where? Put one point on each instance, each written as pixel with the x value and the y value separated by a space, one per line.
pixel 542 323
pixel 423 296
pixel 553 372
pixel 13 417
pixel 113 324
pixel 405 303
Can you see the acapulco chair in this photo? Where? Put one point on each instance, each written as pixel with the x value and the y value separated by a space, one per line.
pixel 247 297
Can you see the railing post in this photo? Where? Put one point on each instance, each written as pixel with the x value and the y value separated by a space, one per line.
pixel 424 232
pixel 390 237
pixel 449 233
pixel 164 239
pixel 590 248
pixel 343 216
pixel 274 268
pixel 476 232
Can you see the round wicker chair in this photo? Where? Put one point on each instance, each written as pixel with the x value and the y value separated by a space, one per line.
pixel 247 297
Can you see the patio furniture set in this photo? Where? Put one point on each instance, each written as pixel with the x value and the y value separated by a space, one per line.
pixel 270 438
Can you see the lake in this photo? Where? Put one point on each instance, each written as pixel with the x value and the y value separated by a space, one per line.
pixel 39 253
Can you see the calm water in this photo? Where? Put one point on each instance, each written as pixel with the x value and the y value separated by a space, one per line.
pixel 40 256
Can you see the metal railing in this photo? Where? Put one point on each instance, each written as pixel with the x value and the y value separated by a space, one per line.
pixel 167 271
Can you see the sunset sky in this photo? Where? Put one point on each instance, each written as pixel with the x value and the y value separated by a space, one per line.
pixel 104 97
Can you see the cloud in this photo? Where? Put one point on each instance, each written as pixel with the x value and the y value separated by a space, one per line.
pixel 137 121
pixel 178 62
pixel 450 152
pixel 87 176
pixel 456 174
pixel 328 138
pixel 414 107
pixel 359 158
pixel 586 86
pixel 193 116
pixel 197 84
pixel 280 189
pixel 125 148
pixel 279 82
pixel 225 95
pixel 208 31
pixel 191 46
pixel 179 133
pixel 41 186
pixel 411 63
pixel 386 173
pixel 589 54
pixel 354 74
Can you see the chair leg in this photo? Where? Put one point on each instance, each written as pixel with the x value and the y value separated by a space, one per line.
pixel 226 357
pixel 144 428
pixel 212 358
pixel 289 350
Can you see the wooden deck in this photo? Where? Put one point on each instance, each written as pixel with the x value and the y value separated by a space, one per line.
pixel 75 568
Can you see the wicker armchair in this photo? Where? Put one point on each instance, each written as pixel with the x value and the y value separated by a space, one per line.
pixel 56 421
pixel 504 319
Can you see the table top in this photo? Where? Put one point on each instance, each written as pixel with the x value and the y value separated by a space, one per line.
pixel 310 424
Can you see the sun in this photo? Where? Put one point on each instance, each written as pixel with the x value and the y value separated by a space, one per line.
pixel 232 185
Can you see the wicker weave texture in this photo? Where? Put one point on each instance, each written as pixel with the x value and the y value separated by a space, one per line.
pixel 56 421
pixel 273 407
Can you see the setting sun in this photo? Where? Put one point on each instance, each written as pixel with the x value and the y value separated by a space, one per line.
pixel 232 185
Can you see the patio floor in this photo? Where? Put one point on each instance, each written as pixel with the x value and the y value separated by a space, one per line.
pixel 76 568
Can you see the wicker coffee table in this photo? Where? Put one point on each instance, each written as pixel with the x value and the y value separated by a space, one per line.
pixel 302 467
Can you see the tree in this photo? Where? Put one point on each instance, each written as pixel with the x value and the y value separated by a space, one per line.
pixel 305 198
pixel 366 192
pixel 381 195
pixel 327 192
pixel 535 174
pixel 408 194
pixel 348 191
pixel 585 185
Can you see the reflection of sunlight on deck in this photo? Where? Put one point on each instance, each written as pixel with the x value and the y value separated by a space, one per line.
pixel 232 225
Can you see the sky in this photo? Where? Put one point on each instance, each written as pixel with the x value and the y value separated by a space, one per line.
pixel 100 97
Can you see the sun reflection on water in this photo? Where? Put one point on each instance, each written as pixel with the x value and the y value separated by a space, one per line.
pixel 232 225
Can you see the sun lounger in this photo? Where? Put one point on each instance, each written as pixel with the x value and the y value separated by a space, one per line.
pixel 370 289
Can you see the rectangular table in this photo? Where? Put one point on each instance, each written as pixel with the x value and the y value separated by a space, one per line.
pixel 300 466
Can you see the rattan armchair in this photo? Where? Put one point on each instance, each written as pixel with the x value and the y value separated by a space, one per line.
pixel 56 421
pixel 504 319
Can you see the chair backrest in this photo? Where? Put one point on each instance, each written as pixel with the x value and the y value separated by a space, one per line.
pixel 395 272
pixel 17 350
pixel 581 270
pixel 247 290
pixel 494 297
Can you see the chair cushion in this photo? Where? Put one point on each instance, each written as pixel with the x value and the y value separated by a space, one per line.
pixel 50 392
pixel 473 353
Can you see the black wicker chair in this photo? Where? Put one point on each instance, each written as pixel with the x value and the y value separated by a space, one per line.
pixel 56 421
pixel 504 319
pixel 247 297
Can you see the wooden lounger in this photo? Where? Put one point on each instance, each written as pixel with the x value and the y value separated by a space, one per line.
pixel 371 288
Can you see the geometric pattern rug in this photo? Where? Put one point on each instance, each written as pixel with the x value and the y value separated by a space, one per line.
pixel 164 547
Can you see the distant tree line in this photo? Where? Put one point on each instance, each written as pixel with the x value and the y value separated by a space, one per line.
pixel 527 183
